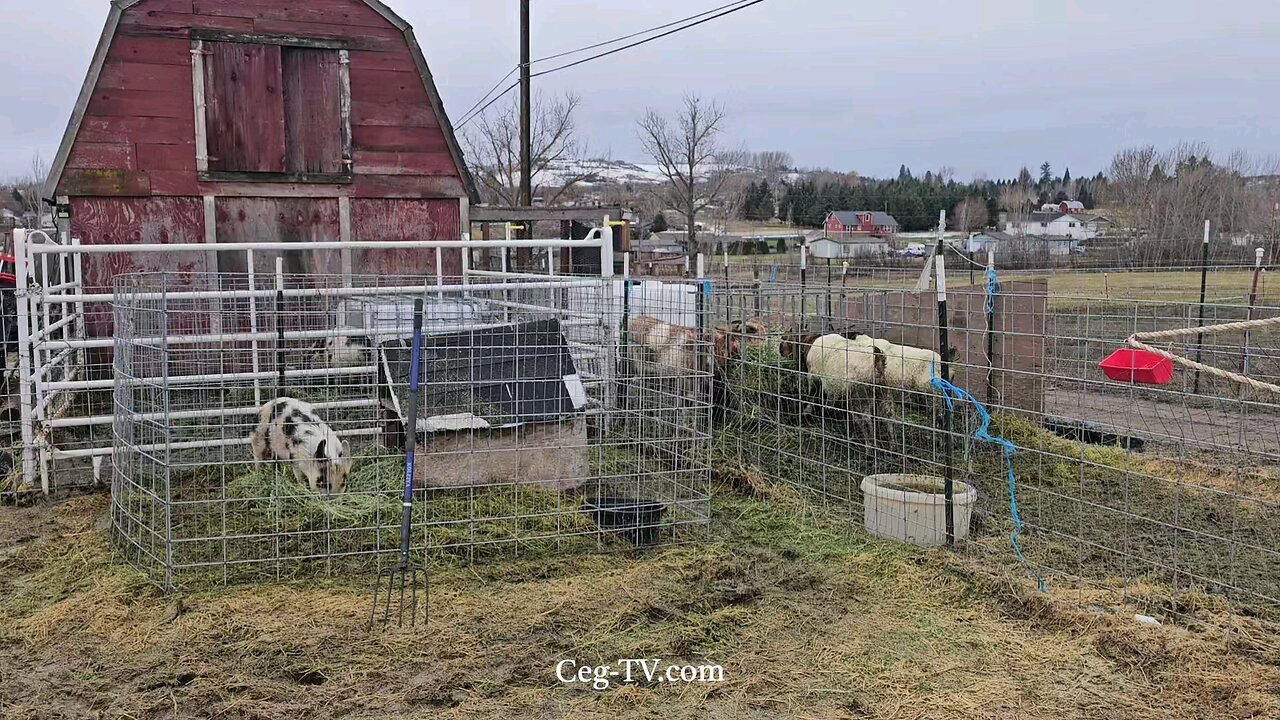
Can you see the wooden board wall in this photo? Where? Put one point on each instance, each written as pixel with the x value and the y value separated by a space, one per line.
pixel 911 318
pixel 137 138
pixel 290 220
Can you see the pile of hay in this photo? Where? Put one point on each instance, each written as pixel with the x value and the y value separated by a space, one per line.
pixel 806 619
pixel 261 523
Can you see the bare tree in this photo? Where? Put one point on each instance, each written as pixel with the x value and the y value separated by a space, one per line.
pixel 690 158
pixel 970 215
pixel 771 163
pixel 559 158
pixel 23 193
pixel 1160 199
pixel 1016 200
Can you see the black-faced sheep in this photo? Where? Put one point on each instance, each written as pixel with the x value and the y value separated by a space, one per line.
pixel 290 429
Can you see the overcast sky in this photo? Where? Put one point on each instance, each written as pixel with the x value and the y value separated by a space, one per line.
pixel 984 86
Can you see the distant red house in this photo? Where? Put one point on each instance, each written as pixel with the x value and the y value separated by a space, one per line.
pixel 862 221
pixel 210 121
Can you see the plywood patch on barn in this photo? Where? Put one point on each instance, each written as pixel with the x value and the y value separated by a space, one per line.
pixel 137 221
pixel 291 220
pixel 379 220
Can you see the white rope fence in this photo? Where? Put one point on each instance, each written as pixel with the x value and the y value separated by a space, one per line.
pixel 1140 340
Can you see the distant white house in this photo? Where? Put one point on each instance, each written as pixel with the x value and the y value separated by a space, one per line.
pixel 1008 245
pixel 845 247
pixel 1074 226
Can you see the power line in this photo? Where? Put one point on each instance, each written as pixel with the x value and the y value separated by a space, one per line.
pixel 637 34
pixel 484 97
pixel 472 116
pixel 721 11
pixel 648 40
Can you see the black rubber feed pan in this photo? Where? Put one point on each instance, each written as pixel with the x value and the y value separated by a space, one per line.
pixel 635 521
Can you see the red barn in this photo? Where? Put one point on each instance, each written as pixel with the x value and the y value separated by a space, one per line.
pixel 205 121
pixel 862 221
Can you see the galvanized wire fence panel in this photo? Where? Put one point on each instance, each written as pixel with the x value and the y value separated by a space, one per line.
pixel 1165 491
pixel 539 432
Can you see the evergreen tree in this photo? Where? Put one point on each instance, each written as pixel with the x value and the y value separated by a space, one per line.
pixel 1066 178
pixel 993 210
pixel 1085 197
pixel 765 208
pixel 1046 174
pixel 659 223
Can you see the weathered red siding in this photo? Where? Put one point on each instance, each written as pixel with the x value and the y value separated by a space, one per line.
pixel 145 97
pixel 132 172
pixel 415 220
pixel 142 221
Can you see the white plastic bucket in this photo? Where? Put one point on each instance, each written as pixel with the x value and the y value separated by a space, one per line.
pixel 913 509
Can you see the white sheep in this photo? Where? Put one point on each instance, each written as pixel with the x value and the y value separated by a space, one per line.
pixel 841 365
pixel 906 367
pixel 659 349
pixel 346 350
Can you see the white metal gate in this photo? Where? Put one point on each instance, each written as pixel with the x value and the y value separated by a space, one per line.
pixel 65 376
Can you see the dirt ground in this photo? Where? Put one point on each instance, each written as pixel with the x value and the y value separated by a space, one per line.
pixel 807 619
pixel 1171 428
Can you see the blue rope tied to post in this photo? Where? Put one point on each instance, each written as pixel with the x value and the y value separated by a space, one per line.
pixel 951 393
pixel 993 289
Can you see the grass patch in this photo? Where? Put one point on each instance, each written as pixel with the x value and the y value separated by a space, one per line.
pixel 1090 511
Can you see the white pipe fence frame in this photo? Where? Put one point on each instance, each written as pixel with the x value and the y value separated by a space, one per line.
pixel 52 329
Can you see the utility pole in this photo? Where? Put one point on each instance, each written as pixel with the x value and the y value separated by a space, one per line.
pixel 524 255
pixel 526 104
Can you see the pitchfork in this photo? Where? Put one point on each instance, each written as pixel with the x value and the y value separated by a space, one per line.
pixel 404 579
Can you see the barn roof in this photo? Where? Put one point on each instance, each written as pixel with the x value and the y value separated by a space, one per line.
pixel 108 35
pixel 853 217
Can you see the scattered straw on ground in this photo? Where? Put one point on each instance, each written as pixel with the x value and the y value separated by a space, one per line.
pixel 808 621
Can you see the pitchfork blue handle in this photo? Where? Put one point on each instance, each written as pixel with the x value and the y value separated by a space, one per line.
pixel 415 371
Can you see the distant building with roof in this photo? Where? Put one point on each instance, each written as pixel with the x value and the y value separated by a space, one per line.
pixel 1011 246
pixel 1066 206
pixel 1073 225
pixel 871 222
pixel 848 245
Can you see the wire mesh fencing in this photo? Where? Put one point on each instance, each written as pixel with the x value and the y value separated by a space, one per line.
pixel 260 434
pixel 1163 491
